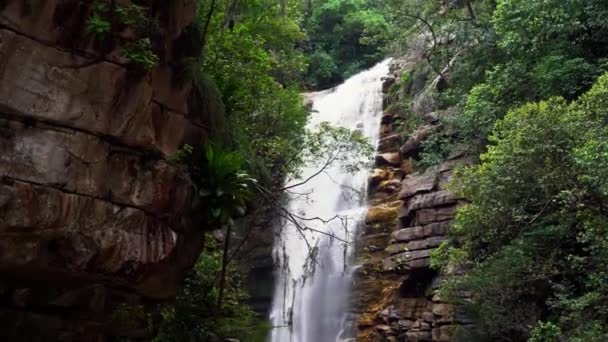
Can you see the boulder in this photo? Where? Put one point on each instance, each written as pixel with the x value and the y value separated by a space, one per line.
pixel 389 143
pixel 388 159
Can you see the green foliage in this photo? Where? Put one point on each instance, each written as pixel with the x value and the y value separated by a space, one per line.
pixel 195 316
pixel 222 186
pixel 330 145
pixel 322 70
pixel 545 332
pixel 96 25
pixel 534 235
pixel 131 16
pixel 345 36
pixel 252 68
pixel 434 150
pixel 140 53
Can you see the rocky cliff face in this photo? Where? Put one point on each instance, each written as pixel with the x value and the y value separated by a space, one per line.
pixel 410 214
pixel 91 213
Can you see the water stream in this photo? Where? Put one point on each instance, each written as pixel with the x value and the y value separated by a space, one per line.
pixel 311 299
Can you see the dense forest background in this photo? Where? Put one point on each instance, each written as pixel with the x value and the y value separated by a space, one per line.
pixel 523 82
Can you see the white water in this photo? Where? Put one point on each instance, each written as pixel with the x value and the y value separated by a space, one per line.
pixel 314 308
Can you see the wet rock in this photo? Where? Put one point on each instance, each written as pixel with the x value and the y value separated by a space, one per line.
pixel 431 118
pixel 389 143
pixel 382 213
pixel 424 326
pixel 387 82
pixel 390 187
pixel 388 159
pixel 376 176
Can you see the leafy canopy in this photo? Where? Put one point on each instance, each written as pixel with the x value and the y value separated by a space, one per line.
pixel 534 235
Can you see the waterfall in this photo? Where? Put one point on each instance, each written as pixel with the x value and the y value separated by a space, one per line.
pixel 311 296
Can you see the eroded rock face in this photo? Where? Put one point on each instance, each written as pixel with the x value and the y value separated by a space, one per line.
pixel 410 214
pixel 91 212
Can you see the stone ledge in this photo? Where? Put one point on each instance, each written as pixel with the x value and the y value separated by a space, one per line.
pixel 420 232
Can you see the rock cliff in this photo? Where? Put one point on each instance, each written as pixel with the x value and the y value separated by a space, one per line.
pixel 410 213
pixel 91 212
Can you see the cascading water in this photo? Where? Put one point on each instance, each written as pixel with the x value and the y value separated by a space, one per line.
pixel 311 296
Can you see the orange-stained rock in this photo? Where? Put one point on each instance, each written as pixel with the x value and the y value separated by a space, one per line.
pixel 382 213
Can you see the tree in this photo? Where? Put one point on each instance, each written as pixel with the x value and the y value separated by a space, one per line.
pixel 533 237
pixel 344 36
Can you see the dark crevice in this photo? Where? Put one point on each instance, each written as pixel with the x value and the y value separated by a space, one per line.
pixel 417 282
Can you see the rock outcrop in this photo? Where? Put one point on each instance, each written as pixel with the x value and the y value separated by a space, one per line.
pixel 411 212
pixel 91 213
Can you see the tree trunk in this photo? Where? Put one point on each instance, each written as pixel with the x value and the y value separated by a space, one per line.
pixel 471 11
pixel 207 24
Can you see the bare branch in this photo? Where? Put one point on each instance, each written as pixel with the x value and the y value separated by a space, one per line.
pixel 325 166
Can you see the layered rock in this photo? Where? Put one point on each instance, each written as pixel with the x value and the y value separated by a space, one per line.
pixel 91 213
pixel 410 215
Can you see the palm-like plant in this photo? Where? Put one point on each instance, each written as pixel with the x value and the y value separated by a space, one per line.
pixel 223 186
pixel 225 189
